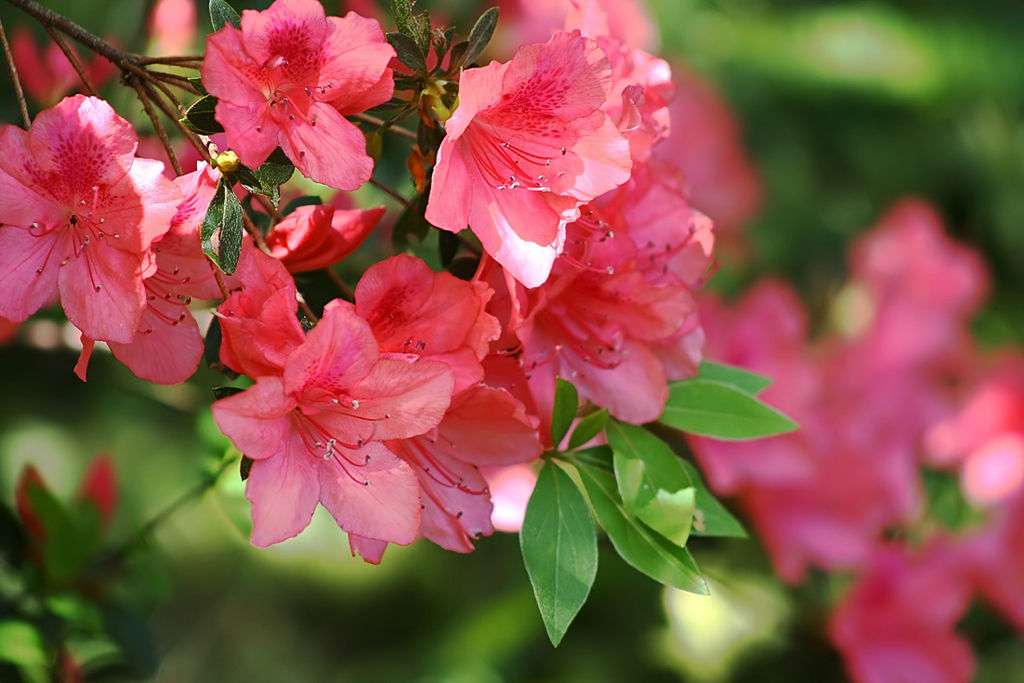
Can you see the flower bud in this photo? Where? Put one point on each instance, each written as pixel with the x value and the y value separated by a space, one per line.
pixel 227 162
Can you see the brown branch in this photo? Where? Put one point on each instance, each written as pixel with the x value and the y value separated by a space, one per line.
pixel 170 113
pixel 385 125
pixel 76 63
pixel 158 127
pixel 184 59
pixel 390 192
pixel 48 17
pixel 18 92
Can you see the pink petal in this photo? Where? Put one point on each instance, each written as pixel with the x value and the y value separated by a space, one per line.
pixel 102 292
pixel 487 426
pixel 250 130
pixel 634 391
pixel 284 491
pixel 404 399
pixel 379 500
pixel 28 270
pixel 22 200
pixel 290 30
pixel 456 504
pixel 356 57
pixel 332 152
pixel 162 352
pixel 256 419
pixel 227 68
pixel 82 366
pixel 337 353
pixel 141 206
pixel 370 549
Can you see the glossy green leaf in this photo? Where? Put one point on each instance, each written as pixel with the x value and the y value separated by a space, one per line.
pixel 201 116
pixel 711 518
pixel 651 481
pixel 642 548
pixel 710 408
pixel 559 545
pixel 587 428
pixel 480 36
pixel 744 380
pixel 222 229
pixel 222 13
pixel 563 412
pixel 72 536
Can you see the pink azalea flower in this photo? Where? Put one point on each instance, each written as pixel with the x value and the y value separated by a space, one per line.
pixel 258 322
pixel 898 623
pixel 46 73
pixel 172 26
pixel 996 559
pixel 618 318
pixel 289 77
pixel 707 144
pixel 315 237
pixel 417 313
pixel 424 316
pixel 527 146
pixel 535 20
pixel 987 436
pixel 168 345
pixel 315 429
pixel 79 214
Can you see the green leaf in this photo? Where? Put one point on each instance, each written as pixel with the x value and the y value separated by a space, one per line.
pixel 587 428
pixel 201 116
pixel 564 410
pixel 709 408
pixel 559 545
pixel 651 481
pixel 409 52
pixel 711 518
pixel 222 229
pixel 744 380
pixel 276 170
pixel 480 36
pixel 21 644
pixel 641 548
pixel 222 13
pixel 72 537
pixel 197 83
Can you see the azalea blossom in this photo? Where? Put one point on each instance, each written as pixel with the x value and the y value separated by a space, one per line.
pixel 424 316
pixel 315 430
pixel 315 237
pixel 626 21
pixel 289 76
pixel 898 622
pixel 996 560
pixel 528 145
pixel 79 214
pixel 618 318
pixel 172 26
pixel 46 73
pixel 168 345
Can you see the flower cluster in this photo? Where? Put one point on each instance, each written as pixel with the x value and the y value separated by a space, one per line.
pixel 385 406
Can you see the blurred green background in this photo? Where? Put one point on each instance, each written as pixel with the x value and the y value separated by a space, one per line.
pixel 845 107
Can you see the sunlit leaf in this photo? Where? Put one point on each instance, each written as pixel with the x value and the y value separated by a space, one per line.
pixel 587 428
pixel 559 545
pixel 709 408
pixel 480 36
pixel 744 380
pixel 222 229
pixel 222 13
pixel 711 518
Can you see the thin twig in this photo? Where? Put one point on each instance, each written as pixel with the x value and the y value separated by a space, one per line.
pixel 18 92
pixel 171 60
pixel 342 286
pixel 306 310
pixel 381 123
pixel 189 135
pixel 158 127
pixel 48 17
pixel 76 63
pixel 390 192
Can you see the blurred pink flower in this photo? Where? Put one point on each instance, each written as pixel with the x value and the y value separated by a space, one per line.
pixel 80 214
pixel 533 21
pixel 289 77
pixel 511 488
pixel 527 146
pixel 315 430
pixel 898 622
pixel 705 141
pixel 172 26
pixel 315 237
pixel 996 558
pixel 46 73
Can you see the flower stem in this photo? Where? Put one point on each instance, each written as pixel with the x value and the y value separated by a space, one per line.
pixel 18 92
pixel 385 125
